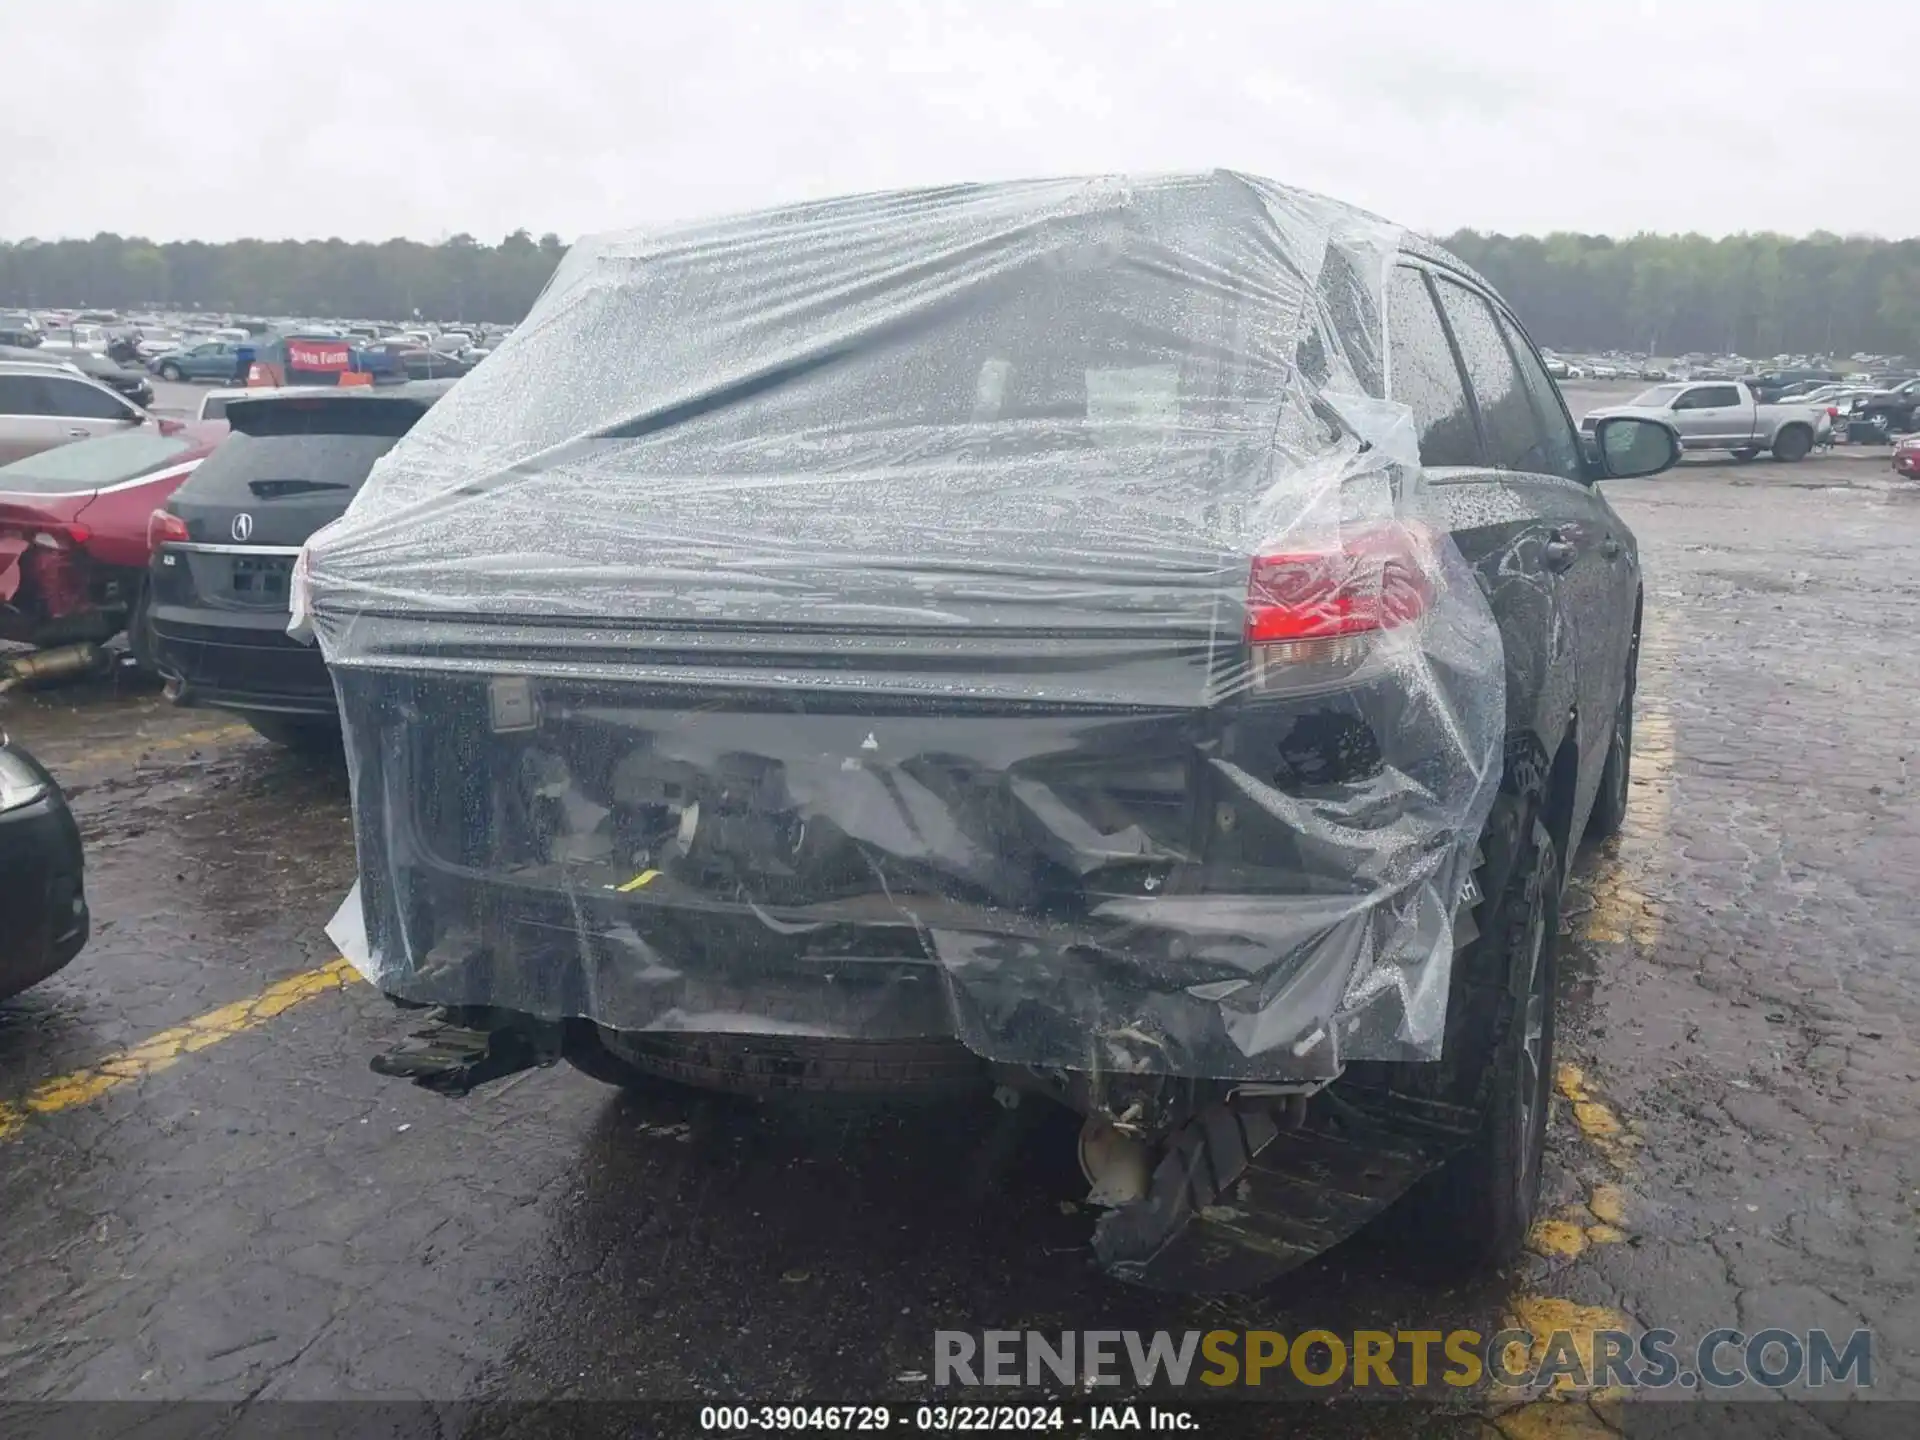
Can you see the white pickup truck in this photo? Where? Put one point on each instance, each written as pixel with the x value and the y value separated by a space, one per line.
pixel 1722 415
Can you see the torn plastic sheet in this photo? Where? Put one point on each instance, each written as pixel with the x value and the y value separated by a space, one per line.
pixel 837 621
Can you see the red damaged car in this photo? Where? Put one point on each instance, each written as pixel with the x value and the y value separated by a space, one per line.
pixel 73 531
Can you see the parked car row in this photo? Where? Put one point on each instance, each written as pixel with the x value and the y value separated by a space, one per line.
pixel 1787 378
pixel 205 348
pixel 287 358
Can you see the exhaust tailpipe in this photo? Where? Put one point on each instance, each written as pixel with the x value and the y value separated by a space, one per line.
pixel 45 667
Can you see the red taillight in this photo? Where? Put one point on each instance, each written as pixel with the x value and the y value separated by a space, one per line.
pixel 164 526
pixel 1833 412
pixel 1373 579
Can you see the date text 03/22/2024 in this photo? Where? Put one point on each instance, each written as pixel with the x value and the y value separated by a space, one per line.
pixel 745 1419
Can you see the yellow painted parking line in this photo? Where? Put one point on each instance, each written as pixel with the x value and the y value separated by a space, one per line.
pixel 1546 1420
pixel 1621 910
pixel 1599 1221
pixel 160 1051
pixel 1599 1124
pixel 1623 913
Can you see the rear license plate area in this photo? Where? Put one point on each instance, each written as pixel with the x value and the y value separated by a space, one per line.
pixel 261 580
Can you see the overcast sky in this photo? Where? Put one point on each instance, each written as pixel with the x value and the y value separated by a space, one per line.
pixel 181 119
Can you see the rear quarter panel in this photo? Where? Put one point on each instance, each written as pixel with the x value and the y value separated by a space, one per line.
pixel 118 517
pixel 1501 528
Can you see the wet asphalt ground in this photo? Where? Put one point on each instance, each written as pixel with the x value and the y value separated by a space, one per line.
pixel 207 1194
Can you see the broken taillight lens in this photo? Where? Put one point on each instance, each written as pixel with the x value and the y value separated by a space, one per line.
pixel 61 537
pixel 1368 580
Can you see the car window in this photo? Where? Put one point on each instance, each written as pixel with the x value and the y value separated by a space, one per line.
pixel 299 446
pixel 1708 397
pixel 84 402
pixel 24 395
pixel 263 467
pixel 89 464
pixel 1515 439
pixel 1559 449
pixel 1422 374
pixel 1659 397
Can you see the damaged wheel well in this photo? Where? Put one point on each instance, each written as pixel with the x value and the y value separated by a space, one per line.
pixel 1563 784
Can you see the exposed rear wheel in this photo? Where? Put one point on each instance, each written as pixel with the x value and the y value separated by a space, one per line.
pixel 1486 1197
pixel 1793 443
pixel 172 372
pixel 1609 811
pixel 1476 1209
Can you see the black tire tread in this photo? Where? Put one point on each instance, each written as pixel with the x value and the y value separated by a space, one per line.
pixel 1610 801
pixel 1797 441
pixel 1466 1211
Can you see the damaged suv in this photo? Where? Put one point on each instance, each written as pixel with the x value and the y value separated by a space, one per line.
pixel 1151 644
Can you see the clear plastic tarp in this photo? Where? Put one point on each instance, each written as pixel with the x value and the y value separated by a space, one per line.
pixel 1007 611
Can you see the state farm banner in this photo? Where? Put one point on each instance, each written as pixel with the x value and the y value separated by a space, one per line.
pixel 317 354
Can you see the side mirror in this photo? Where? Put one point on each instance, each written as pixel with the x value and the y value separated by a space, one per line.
pixel 1629 445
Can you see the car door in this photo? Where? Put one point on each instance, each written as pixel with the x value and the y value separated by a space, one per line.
pixel 1499 527
pixel 89 410
pixel 1726 417
pixel 1586 547
pixel 1608 645
pixel 1694 416
pixel 28 422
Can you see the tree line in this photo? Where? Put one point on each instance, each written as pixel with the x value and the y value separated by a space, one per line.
pixel 1757 295
pixel 1753 295
pixel 459 279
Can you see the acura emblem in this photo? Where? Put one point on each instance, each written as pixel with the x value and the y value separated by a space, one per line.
pixel 243 526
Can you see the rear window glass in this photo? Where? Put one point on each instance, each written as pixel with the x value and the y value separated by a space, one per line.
pixel 264 467
pixel 324 415
pixel 89 464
